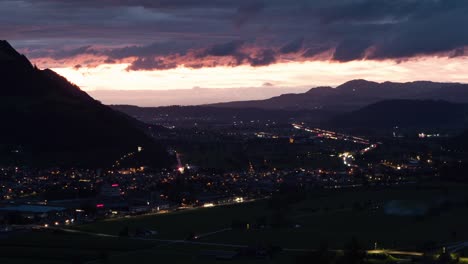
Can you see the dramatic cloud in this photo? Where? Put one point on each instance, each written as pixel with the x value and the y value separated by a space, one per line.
pixel 150 64
pixel 165 34
pixel 225 49
pixel 247 11
pixel 293 46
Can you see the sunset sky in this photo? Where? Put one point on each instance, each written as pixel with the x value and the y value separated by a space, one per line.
pixel 181 44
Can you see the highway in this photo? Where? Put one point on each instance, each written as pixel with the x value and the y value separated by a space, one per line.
pixel 348 157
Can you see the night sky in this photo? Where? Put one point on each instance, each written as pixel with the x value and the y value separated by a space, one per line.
pixel 175 44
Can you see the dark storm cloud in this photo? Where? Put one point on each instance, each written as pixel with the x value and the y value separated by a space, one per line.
pixel 351 49
pixel 62 54
pixel 224 49
pixel 161 34
pixel 247 11
pixel 265 57
pixel 149 50
pixel 315 50
pixel 150 64
pixel 233 53
pixel 152 3
pixel 370 10
pixel 67 54
pixel 439 32
pixel 293 46
pixel 398 28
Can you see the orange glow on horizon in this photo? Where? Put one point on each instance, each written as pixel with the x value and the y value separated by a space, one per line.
pixel 287 74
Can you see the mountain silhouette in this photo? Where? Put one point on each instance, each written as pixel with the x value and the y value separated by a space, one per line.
pixel 355 94
pixel 47 121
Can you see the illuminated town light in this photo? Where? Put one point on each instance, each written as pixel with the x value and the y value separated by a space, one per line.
pixel 239 199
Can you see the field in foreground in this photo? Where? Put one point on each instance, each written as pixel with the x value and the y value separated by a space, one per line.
pixel 332 216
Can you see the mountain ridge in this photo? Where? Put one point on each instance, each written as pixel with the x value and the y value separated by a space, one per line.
pixel 354 94
pixel 54 123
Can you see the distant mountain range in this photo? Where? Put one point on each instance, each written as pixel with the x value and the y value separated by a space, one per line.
pixel 355 94
pixel 48 121
pixel 364 105
pixel 354 104
pixel 384 115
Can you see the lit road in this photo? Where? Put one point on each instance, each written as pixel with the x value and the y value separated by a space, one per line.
pixel 396 252
pixel 213 233
pixel 181 209
pixel 332 135
pixel 348 157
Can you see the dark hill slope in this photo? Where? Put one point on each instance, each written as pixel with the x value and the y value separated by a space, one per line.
pixel 407 114
pixel 47 121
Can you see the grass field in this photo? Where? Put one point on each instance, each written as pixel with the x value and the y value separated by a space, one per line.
pixel 60 247
pixel 178 225
pixel 324 216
